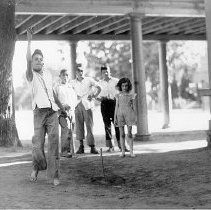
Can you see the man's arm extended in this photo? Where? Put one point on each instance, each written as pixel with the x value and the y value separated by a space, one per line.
pixel 29 73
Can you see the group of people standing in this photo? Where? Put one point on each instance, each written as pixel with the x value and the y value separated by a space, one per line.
pixel 73 100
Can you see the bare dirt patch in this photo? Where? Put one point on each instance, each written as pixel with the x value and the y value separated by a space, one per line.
pixel 179 179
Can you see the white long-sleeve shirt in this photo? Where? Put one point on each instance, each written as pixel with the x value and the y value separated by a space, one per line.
pixel 108 88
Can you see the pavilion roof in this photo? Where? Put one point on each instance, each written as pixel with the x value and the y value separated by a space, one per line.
pixel 108 19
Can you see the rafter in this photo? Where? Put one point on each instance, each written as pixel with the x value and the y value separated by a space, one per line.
pixel 59 23
pixel 191 24
pixel 115 26
pixel 21 19
pixel 34 20
pixel 182 26
pixel 45 23
pixel 165 23
pixel 152 24
pixel 104 24
pixel 195 29
pixel 73 24
pixel 89 24
pixel 123 29
pixel 171 25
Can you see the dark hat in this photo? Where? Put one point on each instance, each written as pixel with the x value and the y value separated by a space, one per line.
pixel 63 71
pixel 103 68
pixel 78 65
pixel 37 52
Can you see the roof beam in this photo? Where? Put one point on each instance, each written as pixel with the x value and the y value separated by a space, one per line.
pixel 104 24
pixel 90 24
pixel 79 37
pixel 76 37
pixel 156 25
pixel 115 26
pixel 123 29
pixel 45 23
pixel 195 27
pixel 21 20
pixel 181 27
pixel 76 22
pixel 34 20
pixel 59 23
pixel 113 7
pixel 168 27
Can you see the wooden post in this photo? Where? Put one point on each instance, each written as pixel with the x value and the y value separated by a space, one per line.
pixel 73 57
pixel 164 84
pixel 202 93
pixel 208 33
pixel 139 77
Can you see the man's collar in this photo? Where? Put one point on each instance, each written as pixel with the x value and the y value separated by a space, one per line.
pixel 41 72
pixel 107 79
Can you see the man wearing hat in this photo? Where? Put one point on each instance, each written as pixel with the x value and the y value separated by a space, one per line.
pixel 86 90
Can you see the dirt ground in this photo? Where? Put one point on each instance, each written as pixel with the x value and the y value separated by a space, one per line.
pixel 174 179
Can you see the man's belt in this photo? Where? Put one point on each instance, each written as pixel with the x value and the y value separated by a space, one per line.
pixel 107 99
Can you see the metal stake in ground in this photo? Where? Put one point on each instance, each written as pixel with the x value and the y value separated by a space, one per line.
pixel 103 165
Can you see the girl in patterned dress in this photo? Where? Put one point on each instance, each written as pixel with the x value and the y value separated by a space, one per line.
pixel 125 113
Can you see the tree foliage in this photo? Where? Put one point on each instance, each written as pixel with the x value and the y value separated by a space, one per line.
pixel 117 54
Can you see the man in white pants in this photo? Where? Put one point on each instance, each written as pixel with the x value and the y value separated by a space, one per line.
pixel 84 87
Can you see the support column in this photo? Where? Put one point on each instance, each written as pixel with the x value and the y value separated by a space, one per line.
pixel 164 84
pixel 208 33
pixel 139 77
pixel 73 57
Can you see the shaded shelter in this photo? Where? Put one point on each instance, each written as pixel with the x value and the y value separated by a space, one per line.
pixel 134 20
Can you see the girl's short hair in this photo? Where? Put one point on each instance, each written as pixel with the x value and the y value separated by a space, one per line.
pixel 124 80
pixel 63 71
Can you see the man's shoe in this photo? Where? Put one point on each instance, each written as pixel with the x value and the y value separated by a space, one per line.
pixel 94 151
pixel 80 150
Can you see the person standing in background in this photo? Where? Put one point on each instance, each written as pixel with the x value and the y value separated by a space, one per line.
pixel 107 99
pixel 84 88
pixel 68 98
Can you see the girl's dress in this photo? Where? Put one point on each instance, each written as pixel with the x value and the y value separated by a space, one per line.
pixel 125 112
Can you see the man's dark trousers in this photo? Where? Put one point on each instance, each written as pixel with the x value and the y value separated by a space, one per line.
pixel 107 110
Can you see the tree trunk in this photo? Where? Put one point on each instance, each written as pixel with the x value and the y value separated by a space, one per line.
pixel 8 130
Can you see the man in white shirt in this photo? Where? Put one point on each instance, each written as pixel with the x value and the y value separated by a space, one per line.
pixel 107 98
pixel 84 88
pixel 45 105
pixel 68 98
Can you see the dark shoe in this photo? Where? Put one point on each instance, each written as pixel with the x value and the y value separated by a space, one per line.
pixel 110 149
pixel 94 151
pixel 80 150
